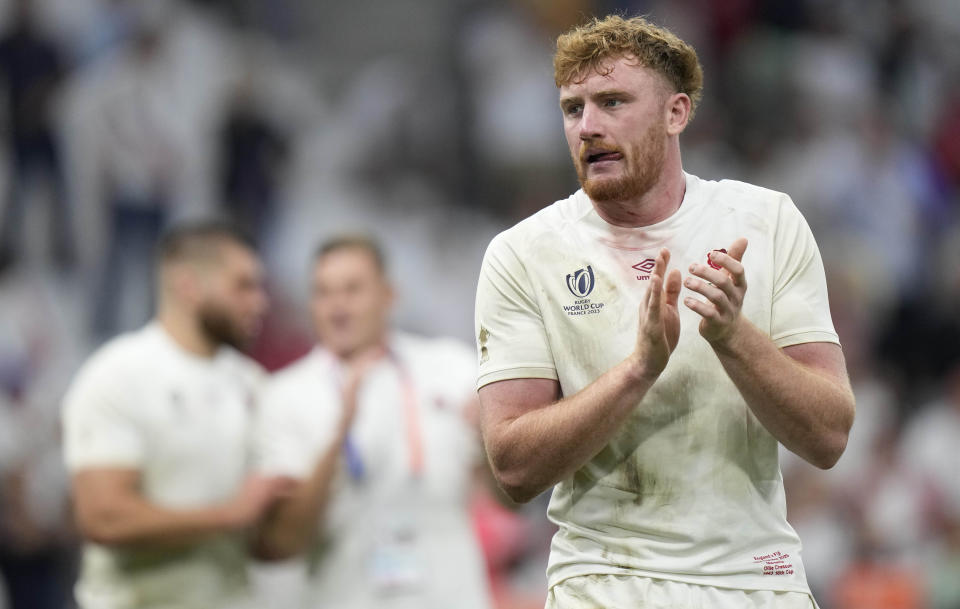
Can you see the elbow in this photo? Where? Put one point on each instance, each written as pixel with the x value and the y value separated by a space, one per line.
pixel 270 551
pixel 99 529
pixel 513 470
pixel 519 493
pixel 516 483
pixel 830 454
pixel 835 443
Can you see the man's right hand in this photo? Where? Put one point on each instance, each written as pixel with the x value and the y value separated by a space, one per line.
pixel 256 496
pixel 659 329
pixel 356 370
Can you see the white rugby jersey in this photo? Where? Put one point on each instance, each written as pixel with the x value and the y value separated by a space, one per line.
pixel 183 421
pixel 391 537
pixel 690 488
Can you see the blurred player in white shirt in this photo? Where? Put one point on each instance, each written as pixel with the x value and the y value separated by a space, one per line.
pixel 658 423
pixel 376 426
pixel 156 435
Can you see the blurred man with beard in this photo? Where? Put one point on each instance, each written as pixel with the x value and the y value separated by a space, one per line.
pixel 658 424
pixel 375 425
pixel 156 430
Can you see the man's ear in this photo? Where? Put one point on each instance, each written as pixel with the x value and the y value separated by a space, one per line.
pixel 184 281
pixel 677 111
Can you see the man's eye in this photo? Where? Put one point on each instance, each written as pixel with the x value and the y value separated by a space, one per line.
pixel 611 103
pixel 573 109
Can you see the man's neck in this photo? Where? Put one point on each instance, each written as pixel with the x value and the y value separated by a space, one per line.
pixel 378 346
pixel 186 333
pixel 656 205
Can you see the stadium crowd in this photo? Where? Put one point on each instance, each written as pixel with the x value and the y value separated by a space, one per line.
pixel 433 125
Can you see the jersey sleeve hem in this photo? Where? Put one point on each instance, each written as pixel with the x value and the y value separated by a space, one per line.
pixel 805 336
pixel 519 372
pixel 96 462
pixel 285 470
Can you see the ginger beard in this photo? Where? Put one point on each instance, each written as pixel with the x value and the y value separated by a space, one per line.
pixel 643 163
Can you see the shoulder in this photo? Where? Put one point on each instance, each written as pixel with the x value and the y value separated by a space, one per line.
pixel 549 221
pixel 120 357
pixel 292 378
pixel 445 351
pixel 745 196
pixel 107 375
pixel 442 367
pixel 773 210
pixel 244 367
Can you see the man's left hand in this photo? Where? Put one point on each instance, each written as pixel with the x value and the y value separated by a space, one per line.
pixel 723 288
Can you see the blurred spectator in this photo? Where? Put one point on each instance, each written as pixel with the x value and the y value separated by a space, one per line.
pixel 164 518
pixel 513 126
pixel 253 153
pixel 390 120
pixel 385 450
pixel 141 164
pixel 943 579
pixel 38 349
pixel 869 586
pixel 930 452
pixel 112 26
pixel 891 509
pixel 36 558
pixel 32 69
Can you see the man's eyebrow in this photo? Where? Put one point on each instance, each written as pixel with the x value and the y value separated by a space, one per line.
pixel 610 93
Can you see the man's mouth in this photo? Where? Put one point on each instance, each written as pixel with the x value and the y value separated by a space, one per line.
pixel 598 156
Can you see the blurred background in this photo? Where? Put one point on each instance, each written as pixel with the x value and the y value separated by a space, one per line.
pixel 433 124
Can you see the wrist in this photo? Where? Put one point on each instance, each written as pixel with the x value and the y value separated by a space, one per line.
pixel 639 373
pixel 230 517
pixel 729 342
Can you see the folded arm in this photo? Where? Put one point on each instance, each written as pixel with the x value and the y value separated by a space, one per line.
pixel 111 510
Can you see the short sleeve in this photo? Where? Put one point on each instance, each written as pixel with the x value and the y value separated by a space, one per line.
pixel 800 309
pixel 459 364
pixel 511 337
pixel 99 424
pixel 289 434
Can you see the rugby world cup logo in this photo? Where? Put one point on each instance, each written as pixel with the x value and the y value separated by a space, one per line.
pixel 580 282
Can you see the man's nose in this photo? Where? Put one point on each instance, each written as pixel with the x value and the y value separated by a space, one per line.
pixel 590 124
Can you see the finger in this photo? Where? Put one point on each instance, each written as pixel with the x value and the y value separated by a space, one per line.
pixel 731 265
pixel 703 309
pixel 711 292
pixel 663 259
pixel 714 276
pixel 653 306
pixel 737 249
pixel 673 287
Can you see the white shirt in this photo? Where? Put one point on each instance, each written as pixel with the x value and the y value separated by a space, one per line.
pixel 142 402
pixel 389 538
pixel 929 450
pixel 690 488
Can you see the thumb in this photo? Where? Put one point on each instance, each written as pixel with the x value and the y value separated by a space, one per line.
pixel 737 249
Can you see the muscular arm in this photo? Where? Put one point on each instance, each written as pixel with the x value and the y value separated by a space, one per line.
pixel 533 439
pixel 801 394
pixel 111 510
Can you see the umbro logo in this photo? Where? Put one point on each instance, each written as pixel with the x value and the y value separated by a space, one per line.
pixel 645 267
